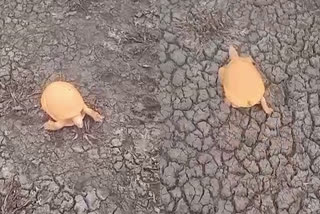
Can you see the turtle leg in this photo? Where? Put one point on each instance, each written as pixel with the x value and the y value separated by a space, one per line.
pixel 53 126
pixel 265 106
pixel 221 70
pixel 78 121
pixel 234 106
pixel 229 103
pixel 95 115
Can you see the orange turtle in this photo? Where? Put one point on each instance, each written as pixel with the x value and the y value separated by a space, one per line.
pixel 65 105
pixel 242 83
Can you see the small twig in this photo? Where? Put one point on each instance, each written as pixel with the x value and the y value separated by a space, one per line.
pixel 3 208
pixel 13 196
pixel 87 139
pixel 23 206
pixel 75 136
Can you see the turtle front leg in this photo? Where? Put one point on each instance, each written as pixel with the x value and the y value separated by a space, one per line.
pixel 265 106
pixel 53 126
pixel 220 74
pixel 95 115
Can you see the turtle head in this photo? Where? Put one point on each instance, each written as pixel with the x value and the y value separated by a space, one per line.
pixel 233 53
pixel 249 59
pixel 78 121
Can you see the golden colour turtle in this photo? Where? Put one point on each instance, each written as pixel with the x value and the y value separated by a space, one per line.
pixel 64 104
pixel 242 83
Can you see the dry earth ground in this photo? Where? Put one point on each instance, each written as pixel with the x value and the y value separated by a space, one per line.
pixel 216 159
pixel 108 50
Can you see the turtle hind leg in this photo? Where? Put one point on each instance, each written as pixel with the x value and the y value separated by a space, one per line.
pixel 95 115
pixel 226 101
pixel 265 106
pixel 234 106
pixel 53 126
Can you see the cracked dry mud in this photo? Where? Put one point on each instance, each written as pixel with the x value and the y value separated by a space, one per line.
pixel 216 159
pixel 107 49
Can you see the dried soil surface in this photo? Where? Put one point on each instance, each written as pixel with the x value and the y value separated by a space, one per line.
pixel 151 67
pixel 107 48
pixel 217 159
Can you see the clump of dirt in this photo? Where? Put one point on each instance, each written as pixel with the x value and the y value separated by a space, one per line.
pixel 11 199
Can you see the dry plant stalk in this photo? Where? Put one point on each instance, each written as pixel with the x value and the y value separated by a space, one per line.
pixel 12 201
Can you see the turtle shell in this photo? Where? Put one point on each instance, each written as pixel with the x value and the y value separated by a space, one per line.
pixel 242 82
pixel 61 100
